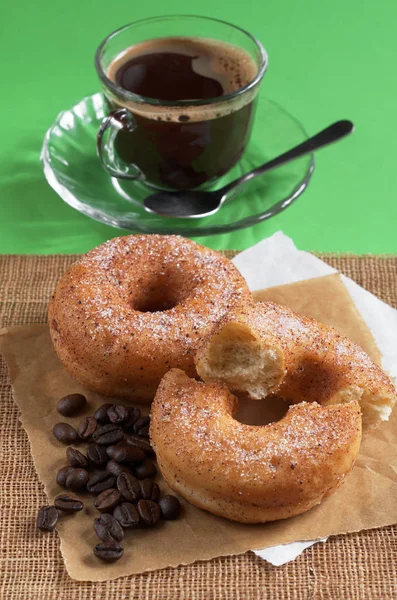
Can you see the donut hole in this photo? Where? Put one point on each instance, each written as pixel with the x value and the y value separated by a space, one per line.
pixel 155 303
pixel 238 358
pixel 159 296
pixel 268 410
pixel 159 291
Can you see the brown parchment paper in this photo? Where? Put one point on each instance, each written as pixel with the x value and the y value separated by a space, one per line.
pixel 368 498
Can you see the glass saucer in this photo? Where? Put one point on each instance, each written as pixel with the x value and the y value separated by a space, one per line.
pixel 72 169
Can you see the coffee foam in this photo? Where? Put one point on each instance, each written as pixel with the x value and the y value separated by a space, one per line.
pixel 233 67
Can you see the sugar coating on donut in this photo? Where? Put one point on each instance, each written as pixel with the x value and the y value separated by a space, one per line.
pixel 320 364
pixel 136 306
pixel 249 473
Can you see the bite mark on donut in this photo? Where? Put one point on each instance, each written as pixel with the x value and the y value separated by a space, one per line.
pixel 237 355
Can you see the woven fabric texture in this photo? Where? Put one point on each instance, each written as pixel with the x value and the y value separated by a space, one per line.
pixel 353 567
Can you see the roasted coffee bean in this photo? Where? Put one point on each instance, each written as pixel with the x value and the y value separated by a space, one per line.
pixel 139 442
pixel 118 414
pixel 107 500
pixel 144 431
pixel 127 515
pixel 101 481
pixel 149 512
pixel 65 433
pixel 71 404
pixel 108 435
pixel 62 475
pixel 150 490
pixel 145 469
pixel 76 458
pixel 101 415
pixel 77 479
pixel 47 518
pixel 125 454
pixel 108 529
pixel 87 428
pixel 68 504
pixel 116 468
pixel 170 507
pixel 141 426
pixel 129 487
pixel 133 415
pixel 109 551
pixel 96 455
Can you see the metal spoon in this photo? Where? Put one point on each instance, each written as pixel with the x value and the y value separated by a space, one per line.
pixel 192 204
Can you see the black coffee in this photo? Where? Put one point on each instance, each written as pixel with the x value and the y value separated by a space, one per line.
pixel 184 147
pixel 167 76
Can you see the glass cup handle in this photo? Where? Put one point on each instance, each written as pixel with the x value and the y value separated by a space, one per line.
pixel 108 130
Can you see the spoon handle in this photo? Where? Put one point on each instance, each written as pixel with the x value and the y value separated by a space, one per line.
pixel 333 133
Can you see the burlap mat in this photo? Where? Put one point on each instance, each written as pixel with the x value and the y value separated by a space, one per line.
pixel 352 567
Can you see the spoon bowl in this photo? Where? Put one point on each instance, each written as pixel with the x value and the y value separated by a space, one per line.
pixel 190 204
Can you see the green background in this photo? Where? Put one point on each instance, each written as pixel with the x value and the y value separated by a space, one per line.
pixel 327 60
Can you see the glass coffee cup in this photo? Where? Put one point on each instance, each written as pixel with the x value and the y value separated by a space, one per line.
pixel 181 93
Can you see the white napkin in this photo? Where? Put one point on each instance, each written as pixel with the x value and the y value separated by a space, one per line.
pixel 275 261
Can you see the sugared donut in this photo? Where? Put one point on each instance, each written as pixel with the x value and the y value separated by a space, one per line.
pixel 267 348
pixel 136 306
pixel 250 474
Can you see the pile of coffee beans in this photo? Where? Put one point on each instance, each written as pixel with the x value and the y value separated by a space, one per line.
pixel 117 467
